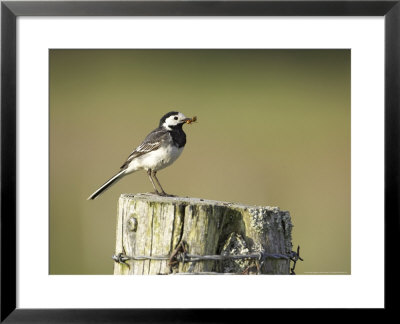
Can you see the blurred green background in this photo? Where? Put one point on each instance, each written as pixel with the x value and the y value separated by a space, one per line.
pixel 273 129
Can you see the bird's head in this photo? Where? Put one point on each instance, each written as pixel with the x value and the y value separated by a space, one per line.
pixel 173 120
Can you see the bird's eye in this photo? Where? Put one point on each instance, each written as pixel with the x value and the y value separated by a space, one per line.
pixel 176 118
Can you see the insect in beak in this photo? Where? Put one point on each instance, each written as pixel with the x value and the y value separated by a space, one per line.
pixel 190 120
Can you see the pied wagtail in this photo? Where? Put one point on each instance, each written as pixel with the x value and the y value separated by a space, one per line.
pixel 158 150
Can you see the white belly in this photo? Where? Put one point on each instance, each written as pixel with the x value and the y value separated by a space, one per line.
pixel 156 160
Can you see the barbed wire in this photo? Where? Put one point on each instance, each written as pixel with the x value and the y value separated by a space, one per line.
pixel 180 255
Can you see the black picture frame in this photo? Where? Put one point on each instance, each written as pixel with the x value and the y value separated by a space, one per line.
pixel 10 10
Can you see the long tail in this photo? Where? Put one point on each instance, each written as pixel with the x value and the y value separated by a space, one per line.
pixel 108 184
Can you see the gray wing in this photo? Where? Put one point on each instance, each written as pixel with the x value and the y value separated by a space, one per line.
pixel 151 143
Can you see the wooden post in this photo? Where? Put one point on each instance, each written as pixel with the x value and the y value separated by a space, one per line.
pixel 150 225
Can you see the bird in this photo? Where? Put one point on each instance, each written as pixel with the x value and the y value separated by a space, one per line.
pixel 159 149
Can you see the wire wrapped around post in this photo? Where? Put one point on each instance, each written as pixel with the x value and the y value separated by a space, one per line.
pixel 180 255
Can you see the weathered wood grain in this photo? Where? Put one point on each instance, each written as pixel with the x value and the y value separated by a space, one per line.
pixel 153 226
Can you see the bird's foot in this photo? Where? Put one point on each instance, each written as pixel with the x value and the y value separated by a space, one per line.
pixel 164 194
pixel 154 193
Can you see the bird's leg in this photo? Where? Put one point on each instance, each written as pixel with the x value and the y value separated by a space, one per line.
pixel 152 182
pixel 159 184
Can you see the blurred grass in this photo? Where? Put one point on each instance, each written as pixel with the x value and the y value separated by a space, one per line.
pixel 274 129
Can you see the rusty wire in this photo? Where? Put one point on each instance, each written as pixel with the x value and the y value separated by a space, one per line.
pixel 180 255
